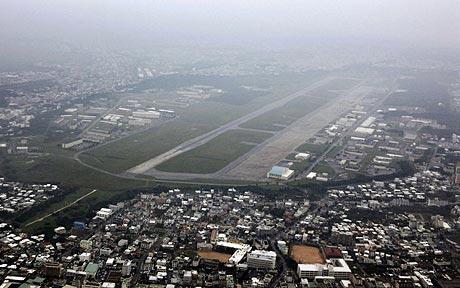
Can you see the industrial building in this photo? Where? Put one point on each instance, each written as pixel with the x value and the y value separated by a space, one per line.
pixel 279 172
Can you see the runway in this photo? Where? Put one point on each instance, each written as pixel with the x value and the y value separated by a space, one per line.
pixel 202 139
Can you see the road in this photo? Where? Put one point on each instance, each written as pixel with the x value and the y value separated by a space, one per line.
pixel 61 209
pixel 202 139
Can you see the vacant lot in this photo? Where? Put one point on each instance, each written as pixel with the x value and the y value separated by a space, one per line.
pixel 302 254
pixel 215 154
pixel 128 152
pixel 210 255
pixel 323 167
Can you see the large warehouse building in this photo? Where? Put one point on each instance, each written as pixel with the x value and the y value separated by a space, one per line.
pixel 279 172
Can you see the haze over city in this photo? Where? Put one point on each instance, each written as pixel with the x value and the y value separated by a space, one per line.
pixel 229 143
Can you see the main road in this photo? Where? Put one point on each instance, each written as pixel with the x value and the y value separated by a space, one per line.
pixel 203 139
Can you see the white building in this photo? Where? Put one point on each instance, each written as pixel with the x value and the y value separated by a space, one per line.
pixel 72 144
pixel 302 156
pixel 240 250
pixel 146 114
pixel 126 268
pixel 279 172
pixel 282 245
pixel 336 268
pixel 104 213
pixel 364 130
pixel 261 259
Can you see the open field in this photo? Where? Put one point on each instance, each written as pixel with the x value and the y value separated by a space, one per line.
pixel 311 148
pixel 67 173
pixel 419 91
pixel 210 255
pixel 278 119
pixel 215 154
pixel 193 121
pixel 204 138
pixel 121 155
pixel 302 254
pixel 323 167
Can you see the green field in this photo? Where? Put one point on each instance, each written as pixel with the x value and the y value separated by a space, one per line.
pixel 128 152
pixel 279 118
pixel 341 84
pixel 316 149
pixel 68 173
pixel 58 166
pixel 216 154
pixel 61 169
pixel 193 121
pixel 323 167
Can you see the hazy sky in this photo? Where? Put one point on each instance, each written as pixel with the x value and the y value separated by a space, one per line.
pixel 264 22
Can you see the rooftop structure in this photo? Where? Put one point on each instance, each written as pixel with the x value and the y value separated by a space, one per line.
pixel 279 172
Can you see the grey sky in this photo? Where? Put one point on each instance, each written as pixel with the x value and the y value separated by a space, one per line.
pixel 410 22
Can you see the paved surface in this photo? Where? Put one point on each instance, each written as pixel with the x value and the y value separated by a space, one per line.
pixel 98 119
pixel 348 133
pixel 202 139
pixel 253 165
pixel 259 162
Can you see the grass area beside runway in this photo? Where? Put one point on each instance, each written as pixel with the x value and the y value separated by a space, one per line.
pixel 278 119
pixel 128 152
pixel 193 121
pixel 215 154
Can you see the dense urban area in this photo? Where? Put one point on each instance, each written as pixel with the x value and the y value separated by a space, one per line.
pixel 349 182
pixel 320 166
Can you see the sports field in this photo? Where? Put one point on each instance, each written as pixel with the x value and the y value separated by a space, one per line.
pixel 210 255
pixel 303 254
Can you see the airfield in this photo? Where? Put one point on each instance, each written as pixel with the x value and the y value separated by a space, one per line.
pixel 247 147
pixel 234 143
